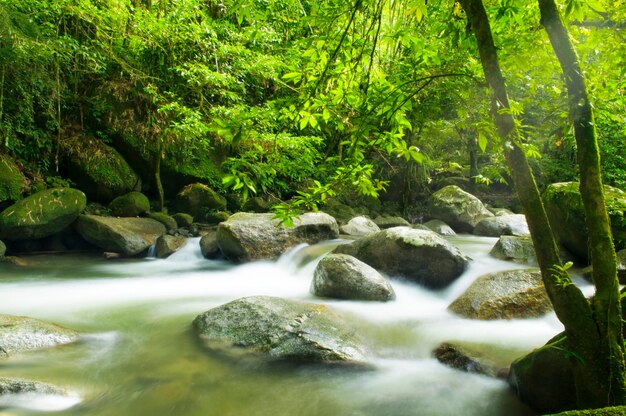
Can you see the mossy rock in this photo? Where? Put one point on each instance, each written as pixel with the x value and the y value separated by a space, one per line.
pixel 257 204
pixel 98 169
pixel 183 219
pixel 565 210
pixel 216 217
pixel 3 250
pixel 169 222
pixel 41 214
pixel 133 204
pixel 12 182
pixel 605 411
pixel 197 199
pixel 460 209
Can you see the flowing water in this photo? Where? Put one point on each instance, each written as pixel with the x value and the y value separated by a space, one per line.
pixel 139 357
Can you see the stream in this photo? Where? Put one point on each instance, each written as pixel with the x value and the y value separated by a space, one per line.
pixel 139 357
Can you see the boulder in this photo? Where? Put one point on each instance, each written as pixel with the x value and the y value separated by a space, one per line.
pixel 257 204
pixel 488 359
pixel 250 236
pixel 462 210
pixel 132 204
pixel 182 219
pixel 19 386
pixel 565 210
pixel 209 247
pixel 97 169
pixel 385 222
pixel 510 294
pixel 340 211
pixel 519 249
pixel 605 411
pixel 500 211
pixel 215 217
pixel 359 226
pixel 169 222
pixel 41 214
pixel 166 245
pixel 345 277
pixel 21 333
pixel 129 236
pixel 279 329
pixel 543 379
pixel 12 181
pixel 3 250
pixel 197 199
pixel 417 255
pixel 439 227
pixel 512 224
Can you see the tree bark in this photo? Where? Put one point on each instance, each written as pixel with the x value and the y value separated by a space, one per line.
pixel 570 305
pixel 157 177
pixel 607 375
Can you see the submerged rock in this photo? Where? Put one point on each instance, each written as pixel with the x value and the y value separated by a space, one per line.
pixel 345 277
pixel 20 386
pixel 250 236
pixel 462 210
pixel 417 255
pixel 513 224
pixel 359 226
pixel 41 214
pixel 472 357
pixel 129 236
pixel 279 329
pixel 511 294
pixel 21 333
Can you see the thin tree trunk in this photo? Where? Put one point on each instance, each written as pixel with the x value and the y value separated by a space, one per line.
pixel 607 375
pixel 157 178
pixel 570 305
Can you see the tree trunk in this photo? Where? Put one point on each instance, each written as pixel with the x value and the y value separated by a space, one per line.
pixel 570 305
pixel 472 146
pixel 607 375
pixel 157 178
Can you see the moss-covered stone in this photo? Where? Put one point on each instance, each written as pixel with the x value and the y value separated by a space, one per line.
pixel 133 204
pixel 605 411
pixel 460 209
pixel 98 169
pixel 565 210
pixel 12 182
pixel 183 219
pixel 41 214
pixel 197 199
pixel 169 222
pixel 215 217
pixel 257 204
pixel 3 250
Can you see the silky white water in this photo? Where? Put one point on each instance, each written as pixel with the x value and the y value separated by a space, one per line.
pixel 139 357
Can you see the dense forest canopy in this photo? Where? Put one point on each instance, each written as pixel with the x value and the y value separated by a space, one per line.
pixel 301 98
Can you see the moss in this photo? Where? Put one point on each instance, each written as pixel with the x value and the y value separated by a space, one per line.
pixel 12 182
pixel 182 219
pixel 169 222
pixel 196 199
pixel 606 411
pixel 133 204
pixel 216 217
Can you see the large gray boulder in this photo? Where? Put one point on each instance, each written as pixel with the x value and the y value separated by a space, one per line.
pixel 519 249
pixel 279 329
pixel 128 236
pixel 565 210
pixel 417 255
pixel 359 226
pixel 512 224
pixel 41 214
pixel 511 294
pixel 462 210
pixel 543 379
pixel 21 333
pixel 251 236
pixel 345 277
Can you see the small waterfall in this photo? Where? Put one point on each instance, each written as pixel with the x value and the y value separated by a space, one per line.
pixel 151 252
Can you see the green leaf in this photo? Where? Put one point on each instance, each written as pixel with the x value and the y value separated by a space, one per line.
pixel 482 141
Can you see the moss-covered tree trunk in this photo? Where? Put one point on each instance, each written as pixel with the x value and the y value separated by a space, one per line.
pixel 570 305
pixel 607 374
pixel 157 177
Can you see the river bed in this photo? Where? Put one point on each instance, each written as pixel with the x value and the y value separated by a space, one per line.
pixel 139 357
